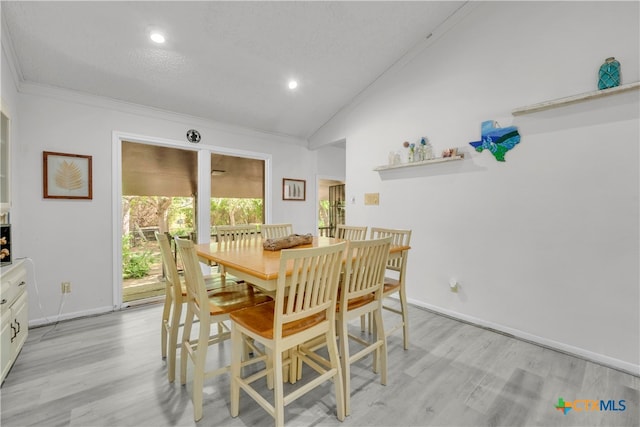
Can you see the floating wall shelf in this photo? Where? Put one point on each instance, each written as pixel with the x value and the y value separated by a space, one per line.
pixel 574 99
pixel 422 163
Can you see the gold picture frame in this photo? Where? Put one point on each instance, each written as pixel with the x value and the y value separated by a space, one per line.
pixel 66 176
pixel 294 189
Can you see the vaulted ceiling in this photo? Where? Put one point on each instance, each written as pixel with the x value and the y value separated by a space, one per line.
pixel 225 61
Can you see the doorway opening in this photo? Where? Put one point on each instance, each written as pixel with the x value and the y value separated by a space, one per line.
pixel 331 206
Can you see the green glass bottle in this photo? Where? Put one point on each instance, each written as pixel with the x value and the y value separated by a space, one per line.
pixel 609 75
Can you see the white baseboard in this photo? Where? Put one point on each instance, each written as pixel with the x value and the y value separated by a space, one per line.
pixel 621 365
pixel 68 316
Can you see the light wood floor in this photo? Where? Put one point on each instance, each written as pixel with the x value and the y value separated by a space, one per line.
pixel 107 371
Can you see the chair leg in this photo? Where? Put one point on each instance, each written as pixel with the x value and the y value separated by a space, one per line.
pixel 269 367
pixel 405 319
pixel 198 384
pixel 173 342
pixel 236 351
pixel 338 381
pixel 200 357
pixel 246 350
pixel 291 374
pixel 299 368
pixel 366 325
pixel 376 352
pixel 184 352
pixel 343 337
pixel 381 352
pixel 278 387
pixel 165 319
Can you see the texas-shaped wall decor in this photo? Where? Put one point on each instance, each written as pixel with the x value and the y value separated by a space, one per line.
pixel 496 139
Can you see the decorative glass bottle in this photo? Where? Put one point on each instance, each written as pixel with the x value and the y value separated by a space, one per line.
pixel 609 75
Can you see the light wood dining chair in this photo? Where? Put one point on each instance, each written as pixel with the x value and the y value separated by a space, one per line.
pixel 175 293
pixel 351 232
pixel 209 309
pixel 304 309
pixel 226 233
pixel 172 305
pixel 396 266
pixel 274 231
pixel 234 234
pixel 360 295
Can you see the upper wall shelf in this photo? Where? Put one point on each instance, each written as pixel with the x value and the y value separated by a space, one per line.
pixel 422 163
pixel 574 99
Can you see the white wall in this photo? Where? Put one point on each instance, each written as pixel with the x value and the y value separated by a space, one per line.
pixel 71 240
pixel 331 162
pixel 545 245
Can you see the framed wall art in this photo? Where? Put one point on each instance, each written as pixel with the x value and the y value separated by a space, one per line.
pixel 66 176
pixel 294 189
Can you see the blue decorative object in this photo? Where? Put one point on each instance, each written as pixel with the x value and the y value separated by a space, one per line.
pixel 497 140
pixel 609 75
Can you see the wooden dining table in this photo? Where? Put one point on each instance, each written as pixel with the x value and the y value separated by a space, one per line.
pixel 247 259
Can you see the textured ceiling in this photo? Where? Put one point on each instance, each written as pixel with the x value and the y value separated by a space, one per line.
pixel 224 61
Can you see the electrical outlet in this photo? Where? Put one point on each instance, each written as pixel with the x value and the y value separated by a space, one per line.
pixel 66 287
pixel 453 285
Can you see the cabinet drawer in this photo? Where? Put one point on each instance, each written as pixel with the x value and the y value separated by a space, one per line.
pixel 14 313
pixel 13 284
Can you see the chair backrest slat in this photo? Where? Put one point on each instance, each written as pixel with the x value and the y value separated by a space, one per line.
pixel 399 238
pixel 366 261
pixel 274 231
pixel 311 286
pixel 194 280
pixel 173 282
pixel 228 233
pixel 351 232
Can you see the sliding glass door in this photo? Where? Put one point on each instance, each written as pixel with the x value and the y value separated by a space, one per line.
pixel 160 188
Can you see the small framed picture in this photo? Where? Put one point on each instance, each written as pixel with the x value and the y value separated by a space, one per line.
pixel 66 176
pixel 294 189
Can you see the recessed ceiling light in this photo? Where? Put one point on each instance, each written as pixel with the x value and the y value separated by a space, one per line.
pixel 157 37
pixel 293 84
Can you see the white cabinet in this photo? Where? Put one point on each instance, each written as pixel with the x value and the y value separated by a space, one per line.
pixel 15 317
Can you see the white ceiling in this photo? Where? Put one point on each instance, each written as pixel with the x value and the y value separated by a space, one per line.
pixel 225 61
